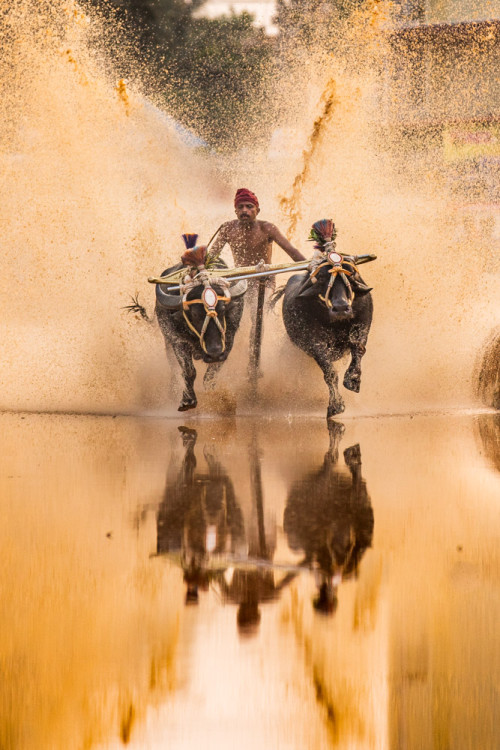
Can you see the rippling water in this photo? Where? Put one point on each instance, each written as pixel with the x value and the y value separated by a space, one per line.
pixel 250 583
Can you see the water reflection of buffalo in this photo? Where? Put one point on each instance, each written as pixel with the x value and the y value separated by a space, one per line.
pixel 199 516
pixel 489 431
pixel 327 312
pixel 487 371
pixel 200 526
pixel 330 518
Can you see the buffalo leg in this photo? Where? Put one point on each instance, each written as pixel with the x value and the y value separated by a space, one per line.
pixel 357 345
pixel 335 432
pixel 210 375
pixel 336 404
pixel 184 358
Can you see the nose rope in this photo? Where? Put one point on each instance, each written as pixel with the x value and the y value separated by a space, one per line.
pixel 210 312
pixel 335 270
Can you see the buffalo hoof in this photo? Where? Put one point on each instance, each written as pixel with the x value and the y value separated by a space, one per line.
pixel 352 381
pixel 352 455
pixel 337 408
pixel 187 403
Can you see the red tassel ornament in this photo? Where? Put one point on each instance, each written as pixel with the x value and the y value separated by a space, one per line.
pixel 195 256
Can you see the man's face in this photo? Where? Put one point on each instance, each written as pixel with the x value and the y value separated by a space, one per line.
pixel 246 212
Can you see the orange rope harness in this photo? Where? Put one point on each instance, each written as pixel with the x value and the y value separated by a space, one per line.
pixel 209 313
pixel 335 270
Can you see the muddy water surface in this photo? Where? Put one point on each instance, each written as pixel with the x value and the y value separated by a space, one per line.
pixel 250 583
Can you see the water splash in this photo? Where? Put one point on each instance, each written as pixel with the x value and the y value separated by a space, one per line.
pixel 291 205
pixel 99 188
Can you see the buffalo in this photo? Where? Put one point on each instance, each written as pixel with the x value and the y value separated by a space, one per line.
pixel 198 322
pixel 327 313
pixel 199 517
pixel 329 517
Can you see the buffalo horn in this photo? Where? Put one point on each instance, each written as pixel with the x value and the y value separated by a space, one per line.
pixel 169 301
pixel 238 289
pixel 306 288
pixel 363 289
pixel 359 286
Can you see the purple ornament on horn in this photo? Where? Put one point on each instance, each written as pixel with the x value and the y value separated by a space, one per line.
pixel 189 240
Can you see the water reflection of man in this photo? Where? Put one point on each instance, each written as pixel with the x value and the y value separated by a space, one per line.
pixel 254 580
pixel 249 587
pixel 329 516
pixel 198 517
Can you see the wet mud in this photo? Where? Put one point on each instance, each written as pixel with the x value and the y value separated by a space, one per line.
pixel 249 582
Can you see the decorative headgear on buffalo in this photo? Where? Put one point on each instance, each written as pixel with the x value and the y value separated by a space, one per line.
pixel 244 195
pixel 195 255
pixel 322 231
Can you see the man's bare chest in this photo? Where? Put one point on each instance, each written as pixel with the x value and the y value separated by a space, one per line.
pixel 249 240
pixel 250 245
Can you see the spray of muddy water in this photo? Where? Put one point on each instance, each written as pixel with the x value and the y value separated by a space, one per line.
pixel 97 187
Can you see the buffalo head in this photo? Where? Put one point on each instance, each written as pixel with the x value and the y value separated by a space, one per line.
pixel 204 310
pixel 334 293
pixel 335 283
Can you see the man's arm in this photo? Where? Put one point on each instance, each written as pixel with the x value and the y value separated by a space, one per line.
pixel 218 244
pixel 276 236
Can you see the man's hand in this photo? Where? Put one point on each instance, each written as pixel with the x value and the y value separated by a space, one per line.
pixel 217 245
pixel 262 266
pixel 317 258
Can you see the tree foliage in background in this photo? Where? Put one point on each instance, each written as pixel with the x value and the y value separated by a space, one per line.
pixel 210 72
pixel 215 74
pixel 312 23
pixel 221 73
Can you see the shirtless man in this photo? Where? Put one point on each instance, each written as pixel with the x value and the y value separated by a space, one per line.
pixel 251 241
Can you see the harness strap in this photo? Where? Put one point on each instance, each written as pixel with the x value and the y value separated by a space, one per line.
pixel 334 272
pixel 201 336
pixel 187 302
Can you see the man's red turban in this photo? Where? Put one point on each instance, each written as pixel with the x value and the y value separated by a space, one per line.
pixel 243 195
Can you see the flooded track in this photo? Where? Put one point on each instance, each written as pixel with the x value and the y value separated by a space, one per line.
pixel 250 582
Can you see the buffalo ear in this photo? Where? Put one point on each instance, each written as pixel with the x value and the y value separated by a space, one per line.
pixel 360 288
pixel 170 302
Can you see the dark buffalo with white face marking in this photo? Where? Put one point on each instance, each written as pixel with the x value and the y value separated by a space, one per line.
pixel 327 313
pixel 199 326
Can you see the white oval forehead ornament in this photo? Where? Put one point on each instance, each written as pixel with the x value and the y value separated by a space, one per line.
pixel 209 298
pixel 334 258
